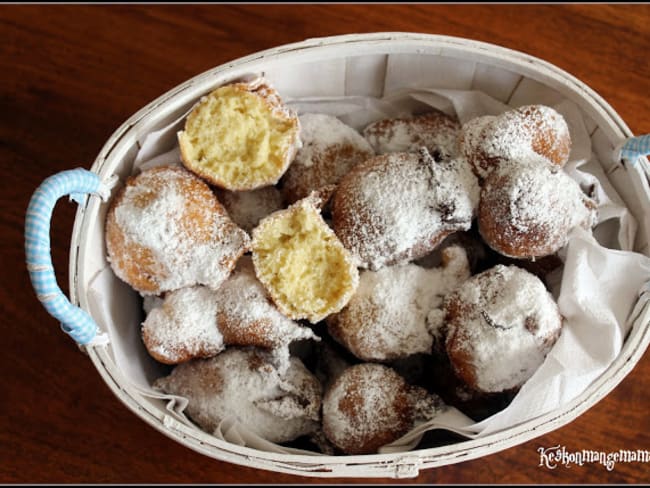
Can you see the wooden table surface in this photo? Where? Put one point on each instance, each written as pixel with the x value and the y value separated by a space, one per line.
pixel 71 74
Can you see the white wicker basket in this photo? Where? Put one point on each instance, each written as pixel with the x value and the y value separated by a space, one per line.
pixel 450 63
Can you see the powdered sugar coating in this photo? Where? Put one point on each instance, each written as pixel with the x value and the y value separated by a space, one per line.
pixel 244 385
pixel 329 150
pixel 530 132
pixel 501 325
pixel 434 130
pixel 386 319
pixel 370 405
pixel 166 230
pixel 247 208
pixel 183 326
pixel 526 210
pixel 246 316
pixel 398 207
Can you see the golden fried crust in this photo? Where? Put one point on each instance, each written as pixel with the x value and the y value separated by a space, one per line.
pixel 133 263
pixel 460 357
pixel 494 215
pixel 254 334
pixel 553 144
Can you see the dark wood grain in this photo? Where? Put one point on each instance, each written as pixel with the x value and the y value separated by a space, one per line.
pixel 71 74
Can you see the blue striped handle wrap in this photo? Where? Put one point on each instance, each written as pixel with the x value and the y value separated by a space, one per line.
pixel 635 148
pixel 76 183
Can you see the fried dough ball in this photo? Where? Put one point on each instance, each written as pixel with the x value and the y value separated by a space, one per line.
pixel 398 207
pixel 240 136
pixel 528 210
pixel 501 324
pixel 243 385
pixel 370 405
pixel 247 317
pixel 166 230
pixel 386 319
pixel 529 132
pixel 183 326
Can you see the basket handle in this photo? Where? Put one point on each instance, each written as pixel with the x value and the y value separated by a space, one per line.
pixel 77 183
pixel 635 148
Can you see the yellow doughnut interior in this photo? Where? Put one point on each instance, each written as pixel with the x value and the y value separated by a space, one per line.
pixel 303 265
pixel 234 139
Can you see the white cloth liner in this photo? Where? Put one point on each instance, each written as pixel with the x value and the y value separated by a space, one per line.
pixel 597 292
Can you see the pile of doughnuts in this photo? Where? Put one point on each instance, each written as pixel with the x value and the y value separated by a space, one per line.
pixel 331 288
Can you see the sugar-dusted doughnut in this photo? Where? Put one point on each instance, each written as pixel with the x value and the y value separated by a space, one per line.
pixel 527 210
pixel 244 386
pixel 370 405
pixel 501 324
pixel 183 326
pixel 301 263
pixel 518 134
pixel 329 150
pixel 435 130
pixel 240 136
pixel 398 207
pixel 386 319
pixel 166 230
